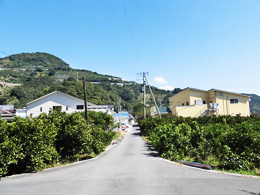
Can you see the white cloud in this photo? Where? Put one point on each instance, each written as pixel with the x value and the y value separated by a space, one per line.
pixel 159 80
pixel 167 87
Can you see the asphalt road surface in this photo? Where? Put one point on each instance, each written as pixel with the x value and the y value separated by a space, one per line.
pixel 130 167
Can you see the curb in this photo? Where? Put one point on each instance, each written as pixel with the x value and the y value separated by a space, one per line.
pixel 196 164
pixel 207 170
pixel 108 148
pixel 212 171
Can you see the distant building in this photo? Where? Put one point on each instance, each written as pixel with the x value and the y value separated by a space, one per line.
pixel 21 113
pixel 196 102
pixel 164 111
pixel 7 107
pixel 7 112
pixel 122 117
pixel 120 84
pixel 58 100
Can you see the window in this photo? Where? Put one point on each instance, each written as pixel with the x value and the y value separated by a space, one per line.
pixel 187 103
pixel 204 102
pixel 233 101
pixel 198 102
pixel 182 104
pixel 80 107
pixel 67 108
pixel 40 109
pixel 56 107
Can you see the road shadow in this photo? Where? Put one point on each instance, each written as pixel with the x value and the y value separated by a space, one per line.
pixel 149 150
pixel 136 134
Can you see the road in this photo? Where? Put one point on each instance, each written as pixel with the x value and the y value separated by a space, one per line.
pixel 131 167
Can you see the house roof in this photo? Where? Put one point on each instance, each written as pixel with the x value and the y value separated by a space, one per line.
pixel 125 114
pixel 228 92
pixel 190 89
pixel 60 94
pixel 4 112
pixel 211 90
pixel 7 107
pixel 164 110
pixel 195 89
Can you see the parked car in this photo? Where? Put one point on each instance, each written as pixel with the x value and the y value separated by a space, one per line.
pixel 123 126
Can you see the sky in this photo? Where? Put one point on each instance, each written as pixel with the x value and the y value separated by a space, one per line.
pixel 202 44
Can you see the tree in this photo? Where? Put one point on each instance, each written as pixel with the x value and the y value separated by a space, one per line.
pixel 138 110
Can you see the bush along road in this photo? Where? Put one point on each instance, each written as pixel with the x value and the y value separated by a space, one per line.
pixel 226 143
pixel 32 144
pixel 129 168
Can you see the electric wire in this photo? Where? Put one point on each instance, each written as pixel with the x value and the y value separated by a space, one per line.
pixel 244 86
pixel 132 35
pixel 21 61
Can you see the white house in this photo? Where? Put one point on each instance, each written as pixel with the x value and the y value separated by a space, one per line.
pixel 21 113
pixel 54 101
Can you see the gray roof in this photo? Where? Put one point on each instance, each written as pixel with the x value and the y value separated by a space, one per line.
pixel 228 92
pixel 212 90
pixel 91 104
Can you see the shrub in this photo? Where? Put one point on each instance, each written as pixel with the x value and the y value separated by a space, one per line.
pixel 230 142
pixel 29 144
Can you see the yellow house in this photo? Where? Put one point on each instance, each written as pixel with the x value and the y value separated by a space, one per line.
pixel 196 102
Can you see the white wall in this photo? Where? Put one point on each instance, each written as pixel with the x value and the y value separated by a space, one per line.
pixel 55 99
pixel 98 108
pixel 21 113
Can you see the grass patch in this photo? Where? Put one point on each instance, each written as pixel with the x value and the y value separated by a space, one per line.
pixel 145 138
pixel 254 172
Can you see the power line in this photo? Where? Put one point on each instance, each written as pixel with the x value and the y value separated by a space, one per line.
pixel 132 35
pixel 244 86
pixel 16 59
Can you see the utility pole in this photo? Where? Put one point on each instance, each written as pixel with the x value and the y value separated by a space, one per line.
pixel 159 113
pixel 144 84
pixel 120 111
pixel 85 100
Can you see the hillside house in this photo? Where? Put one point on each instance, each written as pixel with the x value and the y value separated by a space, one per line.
pixel 196 102
pixel 7 112
pixel 57 100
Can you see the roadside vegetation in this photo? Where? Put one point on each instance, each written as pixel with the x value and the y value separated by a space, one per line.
pixel 32 144
pixel 226 143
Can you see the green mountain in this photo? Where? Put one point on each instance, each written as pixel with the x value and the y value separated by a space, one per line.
pixel 34 60
pixel 38 74
pixel 41 73
pixel 254 103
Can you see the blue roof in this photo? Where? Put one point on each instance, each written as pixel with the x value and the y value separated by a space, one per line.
pixel 164 110
pixel 122 114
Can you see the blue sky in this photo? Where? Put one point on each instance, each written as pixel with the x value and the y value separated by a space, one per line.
pixel 181 43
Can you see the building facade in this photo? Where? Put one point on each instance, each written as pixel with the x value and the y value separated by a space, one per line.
pixel 67 103
pixel 195 102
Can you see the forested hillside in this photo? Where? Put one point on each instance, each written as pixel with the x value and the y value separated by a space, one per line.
pixel 38 74
pixel 41 73
pixel 254 103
